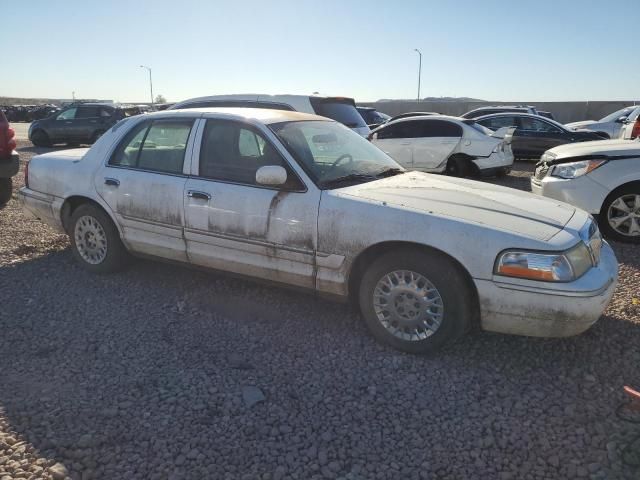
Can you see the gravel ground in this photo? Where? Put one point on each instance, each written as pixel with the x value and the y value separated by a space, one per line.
pixel 163 372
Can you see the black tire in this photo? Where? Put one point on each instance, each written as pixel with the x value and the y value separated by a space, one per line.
pixel 96 135
pixel 603 219
pixel 458 166
pixel 40 139
pixel 444 275
pixel 503 172
pixel 6 191
pixel 116 255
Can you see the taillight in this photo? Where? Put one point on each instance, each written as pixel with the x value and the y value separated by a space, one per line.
pixel 7 142
pixel 636 129
pixel 26 175
pixel 11 141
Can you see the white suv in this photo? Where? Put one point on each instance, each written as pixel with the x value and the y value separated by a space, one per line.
pixel 601 177
pixel 340 109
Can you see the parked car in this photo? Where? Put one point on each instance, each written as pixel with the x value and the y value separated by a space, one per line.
pixel 372 117
pixel 78 123
pixel 630 128
pixel 340 109
pixel 302 200
pixel 602 178
pixel 9 161
pixel 411 114
pixel 609 126
pixel 442 144
pixel 533 134
pixel 482 111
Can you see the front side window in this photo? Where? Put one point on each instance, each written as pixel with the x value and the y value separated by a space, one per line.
pixel 533 124
pixel 394 130
pixel 437 128
pixel 496 123
pixel 233 152
pixel 68 114
pixel 332 154
pixel 623 112
pixel 156 146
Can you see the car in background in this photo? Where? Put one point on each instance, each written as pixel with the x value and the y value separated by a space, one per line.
pixel 610 126
pixel 78 123
pixel 411 114
pixel 630 129
pixel 443 144
pixel 482 111
pixel 303 201
pixel 602 178
pixel 340 109
pixel 9 160
pixel 534 135
pixel 372 117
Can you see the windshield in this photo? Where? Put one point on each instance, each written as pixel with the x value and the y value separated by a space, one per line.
pixel 333 155
pixel 623 112
pixel 340 111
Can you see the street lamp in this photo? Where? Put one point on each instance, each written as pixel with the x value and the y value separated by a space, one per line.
pixel 150 83
pixel 419 70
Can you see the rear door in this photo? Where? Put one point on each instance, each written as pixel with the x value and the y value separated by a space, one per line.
pixel 434 143
pixel 86 119
pixel 143 184
pixel 394 139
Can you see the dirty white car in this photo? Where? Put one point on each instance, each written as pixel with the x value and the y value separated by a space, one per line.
pixel 439 143
pixel 602 178
pixel 302 200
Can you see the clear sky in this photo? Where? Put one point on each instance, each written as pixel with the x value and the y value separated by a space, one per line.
pixel 532 50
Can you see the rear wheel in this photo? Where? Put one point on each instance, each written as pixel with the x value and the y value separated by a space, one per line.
pixel 415 301
pixel 95 240
pixel 40 139
pixel 458 166
pixel 620 214
pixel 6 190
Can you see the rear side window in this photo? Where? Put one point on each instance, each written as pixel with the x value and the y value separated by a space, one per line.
pixel 499 122
pixel 533 124
pixel 158 146
pixel 438 128
pixel 342 111
pixel 88 112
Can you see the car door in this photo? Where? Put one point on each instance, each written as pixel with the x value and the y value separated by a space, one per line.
pixel 143 185
pixel 394 140
pixel 81 127
pixel 433 143
pixel 235 224
pixel 519 144
pixel 58 129
pixel 541 135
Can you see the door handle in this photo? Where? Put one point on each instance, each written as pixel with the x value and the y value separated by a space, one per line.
pixel 199 195
pixel 113 182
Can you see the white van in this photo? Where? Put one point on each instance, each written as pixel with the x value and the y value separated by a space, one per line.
pixel 340 109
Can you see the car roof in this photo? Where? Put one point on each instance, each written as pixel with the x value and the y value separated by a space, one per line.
pixel 262 115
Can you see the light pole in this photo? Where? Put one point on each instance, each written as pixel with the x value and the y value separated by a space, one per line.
pixel 150 83
pixel 73 96
pixel 419 70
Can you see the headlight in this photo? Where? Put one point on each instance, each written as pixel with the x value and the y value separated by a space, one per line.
pixel 549 267
pixel 575 169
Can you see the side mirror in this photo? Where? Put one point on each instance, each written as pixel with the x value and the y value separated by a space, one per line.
pixel 271 175
pixel 622 119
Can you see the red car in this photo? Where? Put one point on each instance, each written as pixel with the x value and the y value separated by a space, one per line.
pixel 9 161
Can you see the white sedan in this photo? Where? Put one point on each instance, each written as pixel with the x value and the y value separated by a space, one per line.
pixel 439 143
pixel 301 200
pixel 601 177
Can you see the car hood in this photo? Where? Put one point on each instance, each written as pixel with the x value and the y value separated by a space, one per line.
pixel 496 207
pixel 578 125
pixel 607 148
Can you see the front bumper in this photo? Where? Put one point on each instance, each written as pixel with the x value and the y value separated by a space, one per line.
pixel 581 192
pixel 552 310
pixel 8 168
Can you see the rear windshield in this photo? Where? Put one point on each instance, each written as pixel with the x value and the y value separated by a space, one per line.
pixel 341 111
pixel 479 128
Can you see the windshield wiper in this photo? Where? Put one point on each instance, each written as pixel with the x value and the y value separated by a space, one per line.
pixel 350 178
pixel 389 172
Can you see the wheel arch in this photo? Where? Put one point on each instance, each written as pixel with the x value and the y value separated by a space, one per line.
pixel 364 258
pixel 72 202
pixel 615 191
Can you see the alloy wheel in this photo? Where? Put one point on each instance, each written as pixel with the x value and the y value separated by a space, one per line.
pixel 623 215
pixel 91 240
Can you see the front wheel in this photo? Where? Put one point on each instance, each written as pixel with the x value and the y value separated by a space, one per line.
pixel 415 301
pixel 40 139
pixel 95 240
pixel 6 190
pixel 620 215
